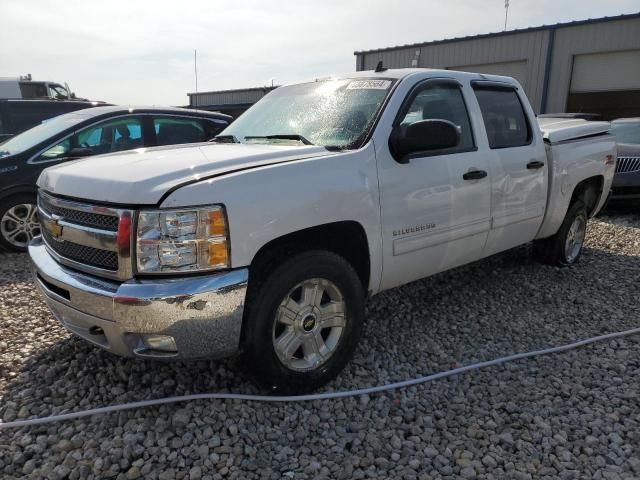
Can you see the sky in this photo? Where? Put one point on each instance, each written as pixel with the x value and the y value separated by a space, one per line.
pixel 142 52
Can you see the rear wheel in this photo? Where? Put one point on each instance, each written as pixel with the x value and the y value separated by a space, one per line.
pixel 303 322
pixel 565 247
pixel 18 222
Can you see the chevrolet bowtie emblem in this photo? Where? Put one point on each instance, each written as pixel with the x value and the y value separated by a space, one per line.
pixel 53 227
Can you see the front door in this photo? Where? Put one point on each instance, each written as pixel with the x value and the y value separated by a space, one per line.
pixel 435 213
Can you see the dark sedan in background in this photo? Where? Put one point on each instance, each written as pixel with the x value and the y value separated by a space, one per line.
pixel 626 183
pixel 79 134
pixel 17 116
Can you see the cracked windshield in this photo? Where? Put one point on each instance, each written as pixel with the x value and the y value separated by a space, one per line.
pixel 329 113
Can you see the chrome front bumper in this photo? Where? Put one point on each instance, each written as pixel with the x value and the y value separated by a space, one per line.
pixel 203 314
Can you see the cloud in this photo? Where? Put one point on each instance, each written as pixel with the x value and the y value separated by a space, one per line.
pixel 141 52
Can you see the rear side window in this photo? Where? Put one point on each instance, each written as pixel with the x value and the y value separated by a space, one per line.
pixel 174 130
pixel 33 90
pixel 504 118
pixel 213 128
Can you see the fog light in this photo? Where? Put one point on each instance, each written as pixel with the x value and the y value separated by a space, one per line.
pixel 163 343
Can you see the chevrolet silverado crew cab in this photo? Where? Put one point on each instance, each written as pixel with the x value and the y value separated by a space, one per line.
pixel 269 240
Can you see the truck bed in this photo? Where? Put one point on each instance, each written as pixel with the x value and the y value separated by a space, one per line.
pixel 555 130
pixel 576 149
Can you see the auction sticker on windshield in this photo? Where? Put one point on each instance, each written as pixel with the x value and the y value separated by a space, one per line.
pixel 369 85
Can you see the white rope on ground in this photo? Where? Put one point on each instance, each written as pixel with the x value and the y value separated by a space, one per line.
pixel 315 396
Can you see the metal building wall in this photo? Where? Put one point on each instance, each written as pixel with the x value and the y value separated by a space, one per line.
pixel 616 35
pixel 526 46
pixel 227 97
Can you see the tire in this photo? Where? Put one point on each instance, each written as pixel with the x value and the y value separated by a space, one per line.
pixel 15 236
pixel 293 369
pixel 556 250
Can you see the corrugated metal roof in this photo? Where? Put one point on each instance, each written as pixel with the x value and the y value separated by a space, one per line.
pixel 236 90
pixel 508 32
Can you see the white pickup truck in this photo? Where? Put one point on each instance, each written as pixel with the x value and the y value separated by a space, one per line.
pixel 269 240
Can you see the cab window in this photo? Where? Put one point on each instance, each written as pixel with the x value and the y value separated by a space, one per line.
pixel 33 90
pixel 57 91
pixel 441 101
pixel 504 117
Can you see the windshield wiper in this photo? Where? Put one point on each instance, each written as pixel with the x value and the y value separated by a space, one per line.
pixel 336 148
pixel 224 139
pixel 288 136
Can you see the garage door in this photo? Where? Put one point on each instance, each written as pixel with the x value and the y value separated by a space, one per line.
pixel 606 71
pixel 517 70
pixel 607 84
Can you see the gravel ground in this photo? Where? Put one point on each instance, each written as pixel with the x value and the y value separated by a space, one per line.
pixel 573 415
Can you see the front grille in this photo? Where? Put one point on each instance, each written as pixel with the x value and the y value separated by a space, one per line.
pixel 80 253
pixel 88 219
pixel 84 236
pixel 628 164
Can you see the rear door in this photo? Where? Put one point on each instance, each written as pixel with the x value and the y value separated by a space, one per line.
pixel 434 214
pixel 518 166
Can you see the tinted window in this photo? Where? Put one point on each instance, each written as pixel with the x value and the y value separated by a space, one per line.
pixel 111 136
pixel 33 90
pixel 213 128
pixel 441 102
pixel 105 137
pixel 173 130
pixel 504 118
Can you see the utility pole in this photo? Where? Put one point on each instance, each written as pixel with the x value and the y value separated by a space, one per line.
pixel 195 66
pixel 506 13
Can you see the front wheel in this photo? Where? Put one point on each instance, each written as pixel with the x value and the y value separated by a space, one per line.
pixel 304 322
pixel 18 222
pixel 564 248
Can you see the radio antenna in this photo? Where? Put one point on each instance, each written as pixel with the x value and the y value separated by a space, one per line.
pixel 506 13
pixel 195 66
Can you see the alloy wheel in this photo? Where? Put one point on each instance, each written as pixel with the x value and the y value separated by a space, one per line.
pixel 19 224
pixel 575 239
pixel 309 324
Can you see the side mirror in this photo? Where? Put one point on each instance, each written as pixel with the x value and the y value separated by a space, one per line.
pixel 422 136
pixel 79 152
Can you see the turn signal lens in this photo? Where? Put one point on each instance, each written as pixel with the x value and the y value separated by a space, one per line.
pixel 218 254
pixel 217 225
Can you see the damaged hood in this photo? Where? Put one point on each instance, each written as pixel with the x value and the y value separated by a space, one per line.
pixel 143 176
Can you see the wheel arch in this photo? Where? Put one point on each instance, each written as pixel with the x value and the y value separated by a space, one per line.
pixel 345 238
pixel 589 191
pixel 18 190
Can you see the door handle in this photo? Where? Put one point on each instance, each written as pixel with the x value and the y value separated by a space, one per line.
pixel 474 175
pixel 535 165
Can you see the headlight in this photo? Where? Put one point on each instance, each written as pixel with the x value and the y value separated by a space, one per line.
pixel 182 240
